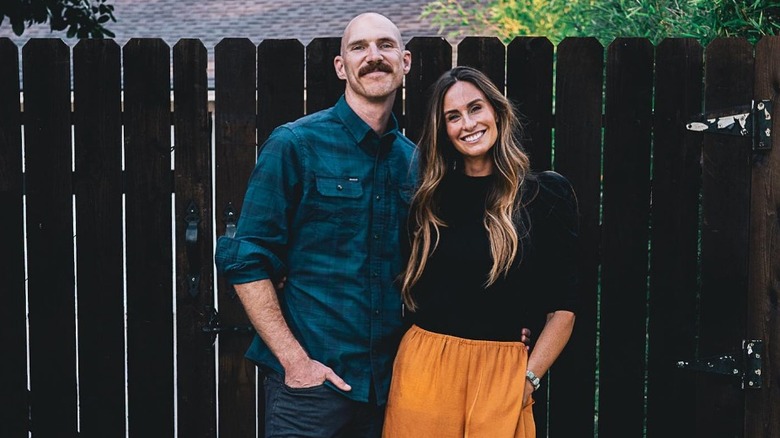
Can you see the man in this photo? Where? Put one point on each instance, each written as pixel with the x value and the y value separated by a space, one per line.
pixel 324 209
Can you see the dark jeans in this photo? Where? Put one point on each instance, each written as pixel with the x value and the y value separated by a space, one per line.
pixel 317 412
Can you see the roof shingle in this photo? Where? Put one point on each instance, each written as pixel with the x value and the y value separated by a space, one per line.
pixel 211 21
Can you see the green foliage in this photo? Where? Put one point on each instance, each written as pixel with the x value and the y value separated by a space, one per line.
pixel 502 18
pixel 81 18
pixel 607 19
pixel 749 19
pixel 659 19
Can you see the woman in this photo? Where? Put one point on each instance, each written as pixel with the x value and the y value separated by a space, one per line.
pixel 492 250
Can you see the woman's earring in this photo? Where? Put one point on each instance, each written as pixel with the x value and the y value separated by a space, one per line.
pixel 454 164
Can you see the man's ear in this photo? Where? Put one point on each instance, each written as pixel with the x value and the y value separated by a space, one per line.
pixel 338 64
pixel 407 61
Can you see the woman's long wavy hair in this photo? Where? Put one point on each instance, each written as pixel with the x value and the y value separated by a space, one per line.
pixel 438 157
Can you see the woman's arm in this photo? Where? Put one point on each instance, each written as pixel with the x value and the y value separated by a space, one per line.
pixel 553 338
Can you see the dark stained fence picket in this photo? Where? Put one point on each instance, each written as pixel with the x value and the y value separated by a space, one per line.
pixel 485 54
pixel 98 193
pixel 764 276
pixel 578 133
pixel 726 175
pixel 50 261
pixel 235 150
pixel 529 86
pixel 280 84
pixel 196 371
pixel 626 209
pixel 674 238
pixel 323 86
pixel 431 56
pixel 148 185
pixel 13 332
pixel 675 204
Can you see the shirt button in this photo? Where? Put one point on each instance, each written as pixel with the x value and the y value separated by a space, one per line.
pixel 376 236
pixel 376 312
pixel 374 274
pixel 339 187
pixel 378 197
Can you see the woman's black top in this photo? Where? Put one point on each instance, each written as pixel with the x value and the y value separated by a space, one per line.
pixel 451 296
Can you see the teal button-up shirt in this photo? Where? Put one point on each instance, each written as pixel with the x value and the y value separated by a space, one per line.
pixel 326 206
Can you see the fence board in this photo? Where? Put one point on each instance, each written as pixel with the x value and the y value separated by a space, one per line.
pixel 431 56
pixel 738 286
pixel 763 407
pixel 486 54
pixel 398 108
pixel 578 100
pixel 235 155
pixel 629 93
pixel 280 84
pixel 51 277
pixel 724 238
pixel 98 190
pixel 675 222
pixel 196 371
pixel 149 247
pixel 13 333
pixel 323 86
pixel 529 85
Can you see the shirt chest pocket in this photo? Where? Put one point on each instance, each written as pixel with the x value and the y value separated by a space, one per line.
pixel 339 187
pixel 339 200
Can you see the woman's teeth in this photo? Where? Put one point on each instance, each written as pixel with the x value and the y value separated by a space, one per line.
pixel 474 137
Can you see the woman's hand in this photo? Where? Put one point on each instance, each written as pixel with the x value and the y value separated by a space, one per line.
pixel 527 391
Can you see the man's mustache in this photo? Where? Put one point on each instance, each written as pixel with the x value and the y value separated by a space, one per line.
pixel 378 66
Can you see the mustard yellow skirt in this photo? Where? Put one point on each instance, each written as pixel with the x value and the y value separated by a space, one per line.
pixel 449 387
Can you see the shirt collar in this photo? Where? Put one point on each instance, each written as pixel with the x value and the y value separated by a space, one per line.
pixel 360 130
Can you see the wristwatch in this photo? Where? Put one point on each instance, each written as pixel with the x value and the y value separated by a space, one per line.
pixel 531 377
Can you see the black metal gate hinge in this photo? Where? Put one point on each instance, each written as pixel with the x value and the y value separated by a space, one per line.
pixel 754 121
pixel 747 367
pixel 214 327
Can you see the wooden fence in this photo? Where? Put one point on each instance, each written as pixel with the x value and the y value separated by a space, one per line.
pixel 112 189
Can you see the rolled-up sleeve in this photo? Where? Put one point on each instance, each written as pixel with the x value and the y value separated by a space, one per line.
pixel 259 249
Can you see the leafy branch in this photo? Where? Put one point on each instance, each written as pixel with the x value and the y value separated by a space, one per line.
pixel 81 18
pixel 606 19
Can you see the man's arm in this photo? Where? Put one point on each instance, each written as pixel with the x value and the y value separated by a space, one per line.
pixel 262 307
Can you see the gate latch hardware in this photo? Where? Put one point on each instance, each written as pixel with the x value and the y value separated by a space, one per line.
pixel 230 220
pixel 754 121
pixel 747 367
pixel 191 241
pixel 214 326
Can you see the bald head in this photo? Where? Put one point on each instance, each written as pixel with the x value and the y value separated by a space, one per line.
pixel 373 61
pixel 373 21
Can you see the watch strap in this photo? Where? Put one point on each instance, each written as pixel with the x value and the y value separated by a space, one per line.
pixel 531 377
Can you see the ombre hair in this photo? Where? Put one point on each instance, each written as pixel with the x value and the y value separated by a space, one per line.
pixel 438 157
